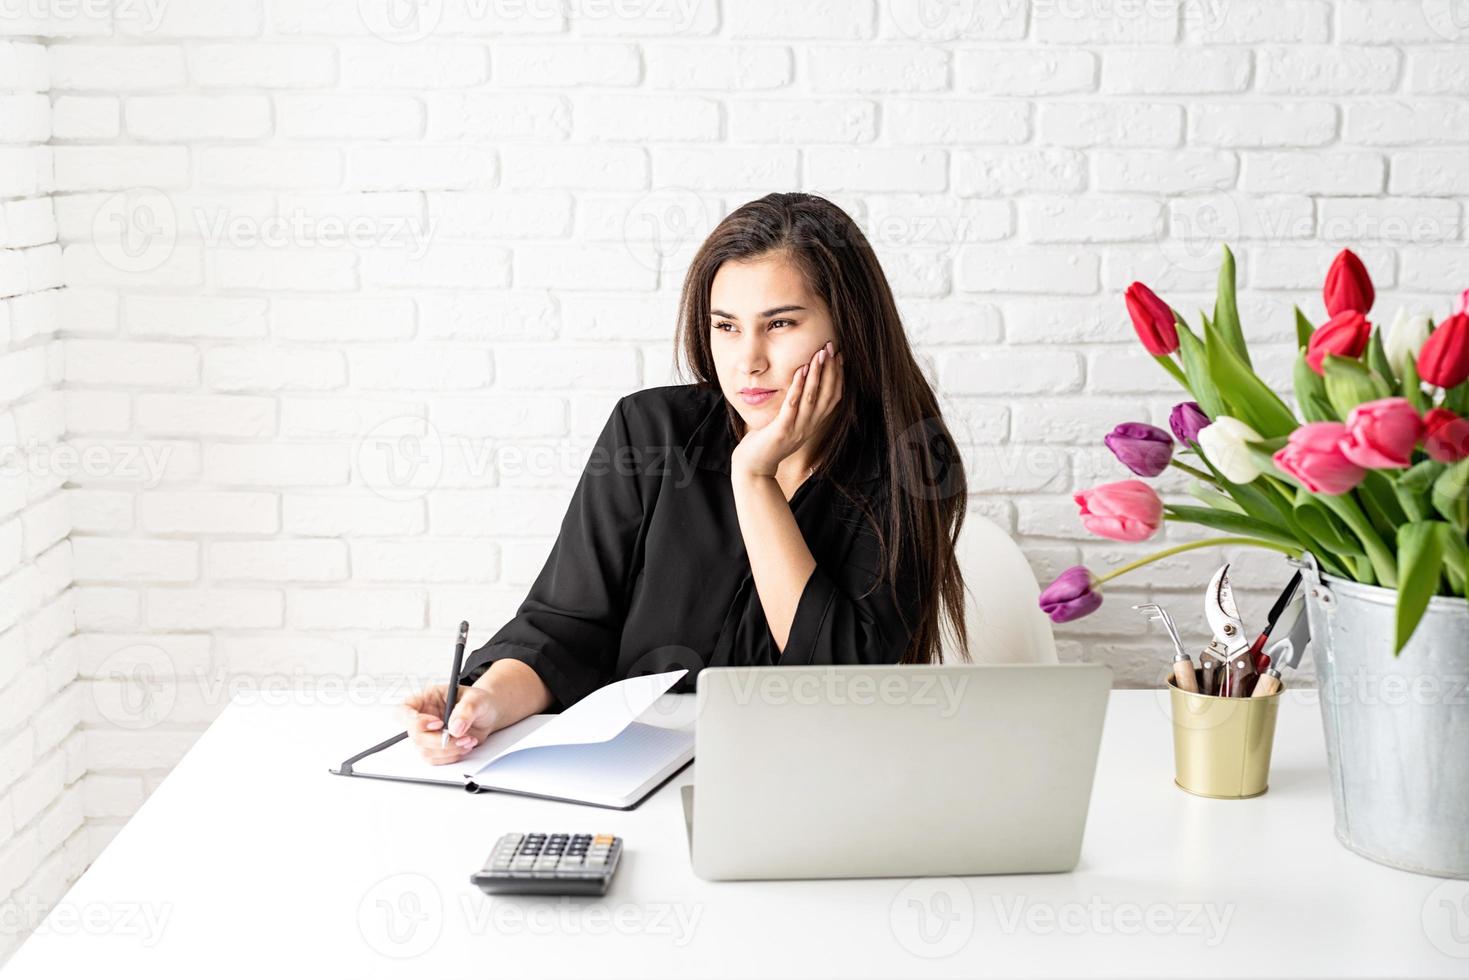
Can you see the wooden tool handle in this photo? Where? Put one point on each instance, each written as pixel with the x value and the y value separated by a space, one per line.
pixel 1207 672
pixel 1238 676
pixel 1267 685
pixel 1183 675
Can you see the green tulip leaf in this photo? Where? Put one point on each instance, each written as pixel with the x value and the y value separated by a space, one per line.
pixel 1213 498
pixel 1376 490
pixel 1166 362
pixel 1455 557
pixel 1415 486
pixel 1450 495
pixel 1196 366
pixel 1420 563
pixel 1412 387
pixel 1377 360
pixel 1231 523
pixel 1325 526
pixel 1456 399
pixel 1304 330
pixel 1311 393
pixel 1349 383
pixel 1249 399
pixel 1226 310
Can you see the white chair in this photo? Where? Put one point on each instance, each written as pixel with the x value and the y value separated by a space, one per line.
pixel 1001 614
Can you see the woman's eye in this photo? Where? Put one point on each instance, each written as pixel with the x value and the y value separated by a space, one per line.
pixel 724 326
pixel 777 323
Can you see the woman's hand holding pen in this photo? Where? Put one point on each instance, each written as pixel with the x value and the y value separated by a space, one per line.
pixel 473 718
pixel 812 395
pixel 504 694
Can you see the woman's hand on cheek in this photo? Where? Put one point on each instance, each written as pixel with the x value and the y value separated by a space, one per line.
pixel 813 393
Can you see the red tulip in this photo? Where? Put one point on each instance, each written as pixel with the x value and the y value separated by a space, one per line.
pixel 1345 335
pixel 1445 435
pixel 1348 287
pixel 1444 359
pixel 1152 319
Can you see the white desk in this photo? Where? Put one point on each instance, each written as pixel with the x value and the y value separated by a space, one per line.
pixel 261 864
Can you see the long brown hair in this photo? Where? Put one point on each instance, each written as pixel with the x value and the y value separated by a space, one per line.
pixel 885 395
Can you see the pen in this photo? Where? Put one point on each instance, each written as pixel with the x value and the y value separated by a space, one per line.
pixel 452 693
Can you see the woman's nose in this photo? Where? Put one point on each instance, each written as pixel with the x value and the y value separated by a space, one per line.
pixel 752 359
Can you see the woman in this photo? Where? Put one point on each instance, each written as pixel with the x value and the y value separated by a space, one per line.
pixel 798 504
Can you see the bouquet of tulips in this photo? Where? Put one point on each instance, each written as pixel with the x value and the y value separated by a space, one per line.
pixel 1369 472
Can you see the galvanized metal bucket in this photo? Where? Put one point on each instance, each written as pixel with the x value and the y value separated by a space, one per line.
pixel 1397 728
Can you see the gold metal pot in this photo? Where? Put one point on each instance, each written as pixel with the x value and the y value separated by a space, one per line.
pixel 1221 746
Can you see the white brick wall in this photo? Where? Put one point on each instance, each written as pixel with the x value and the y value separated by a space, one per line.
pixel 302 244
pixel 43 792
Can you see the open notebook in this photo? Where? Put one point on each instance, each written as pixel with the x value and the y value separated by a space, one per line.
pixel 595 752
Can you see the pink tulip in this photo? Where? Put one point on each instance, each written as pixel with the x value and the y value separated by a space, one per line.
pixel 1128 510
pixel 1381 434
pixel 1313 455
pixel 1462 306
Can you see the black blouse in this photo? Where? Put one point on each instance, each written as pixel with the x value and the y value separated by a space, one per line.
pixel 649 571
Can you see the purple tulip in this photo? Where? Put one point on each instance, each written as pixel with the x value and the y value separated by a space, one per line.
pixel 1070 596
pixel 1144 449
pixel 1186 419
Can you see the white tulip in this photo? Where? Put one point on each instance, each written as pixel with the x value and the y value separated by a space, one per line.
pixel 1223 444
pixel 1405 339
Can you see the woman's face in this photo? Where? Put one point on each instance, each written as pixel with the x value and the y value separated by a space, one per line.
pixel 764 324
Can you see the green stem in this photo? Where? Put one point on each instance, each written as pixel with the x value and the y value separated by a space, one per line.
pixel 1166 361
pixel 1190 546
pixel 1384 565
pixel 1192 471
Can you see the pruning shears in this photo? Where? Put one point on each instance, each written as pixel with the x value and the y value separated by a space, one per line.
pixel 1228 661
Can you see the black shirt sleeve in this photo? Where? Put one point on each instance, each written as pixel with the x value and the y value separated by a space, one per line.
pixel 569 627
pixel 835 622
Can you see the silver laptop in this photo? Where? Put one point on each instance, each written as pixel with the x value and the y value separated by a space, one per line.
pixel 849 772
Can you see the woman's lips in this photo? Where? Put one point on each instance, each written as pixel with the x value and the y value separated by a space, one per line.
pixel 756 396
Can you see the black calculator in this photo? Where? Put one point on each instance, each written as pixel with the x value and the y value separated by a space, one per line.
pixel 550 864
